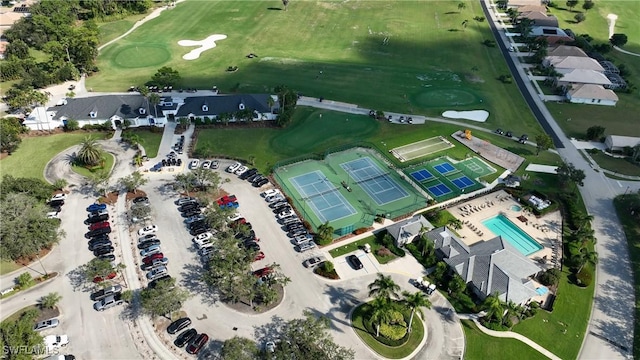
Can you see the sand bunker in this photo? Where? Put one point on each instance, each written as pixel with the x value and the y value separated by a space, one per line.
pixel 206 44
pixel 473 115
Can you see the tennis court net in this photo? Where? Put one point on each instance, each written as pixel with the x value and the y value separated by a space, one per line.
pixel 313 196
pixel 372 178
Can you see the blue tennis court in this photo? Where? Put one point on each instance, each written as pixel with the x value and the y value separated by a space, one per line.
pixel 421 175
pixel 444 168
pixel 374 181
pixel 439 190
pixel 462 182
pixel 322 196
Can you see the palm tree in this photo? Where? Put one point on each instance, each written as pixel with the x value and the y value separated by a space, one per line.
pixel 585 256
pixel 90 152
pixel 325 233
pixel 99 180
pixel 415 301
pixel 493 306
pixel 50 300
pixel 154 99
pixel 384 287
pixel 380 313
pixel 511 309
pixel 582 220
pixel 270 103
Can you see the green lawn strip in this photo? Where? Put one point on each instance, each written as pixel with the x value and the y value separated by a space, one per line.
pixel 620 166
pixel 615 177
pixel 415 337
pixel 108 164
pixel 345 56
pixel 34 153
pixel 632 232
pixel 359 244
pixel 562 330
pixel 15 316
pixel 150 141
pixel 480 346
pixel 7 266
pixel 112 29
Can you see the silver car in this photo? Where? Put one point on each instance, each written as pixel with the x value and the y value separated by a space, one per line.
pixel 306 246
pixel 46 324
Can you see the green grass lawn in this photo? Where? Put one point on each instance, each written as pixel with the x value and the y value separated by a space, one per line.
pixel 562 330
pixel 108 164
pixel 310 134
pixel 34 153
pixel 351 247
pixel 150 140
pixel 623 118
pixel 336 50
pixel 417 333
pixel 631 227
pixel 8 266
pixel 481 346
pixel 621 166
pixel 113 29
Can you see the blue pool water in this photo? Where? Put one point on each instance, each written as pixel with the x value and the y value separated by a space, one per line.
pixel 503 227
pixel 516 208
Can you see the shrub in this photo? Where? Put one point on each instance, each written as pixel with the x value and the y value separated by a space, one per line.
pixel 478 18
pixel 550 277
pixel 584 277
pixel 383 252
pixel 328 266
pixel 323 241
pixel 359 231
pixel 393 331
pixel 71 125
pixel 24 280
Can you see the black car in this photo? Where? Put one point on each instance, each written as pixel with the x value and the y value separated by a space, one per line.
pixel 98 238
pixel 294 227
pixel 191 213
pixel 56 203
pixel 199 230
pixel 253 177
pixel 185 337
pixel 260 183
pixel 178 325
pixel 196 224
pixel 103 251
pixel 96 219
pixel 257 178
pixel 508 134
pixel 247 174
pixel 188 206
pixel 146 244
pixel 281 208
pixel 355 262
pixel 245 235
pixel 291 220
pixel 97 232
pixel 56 208
pixel 108 257
pixel 100 244
pixel 141 199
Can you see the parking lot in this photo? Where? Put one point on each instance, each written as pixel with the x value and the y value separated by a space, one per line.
pixel 346 271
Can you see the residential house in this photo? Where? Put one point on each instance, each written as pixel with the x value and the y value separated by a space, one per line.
pixel 492 266
pixel 554 35
pixel 564 64
pixel 405 231
pixel 565 50
pixel 582 76
pixel 213 106
pixel 538 17
pixel 617 143
pixel 591 94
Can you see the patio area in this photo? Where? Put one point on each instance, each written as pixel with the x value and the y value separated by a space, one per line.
pixel 545 230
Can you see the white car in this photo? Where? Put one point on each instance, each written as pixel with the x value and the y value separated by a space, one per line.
pixel 157 272
pixel 147 230
pixel 273 198
pixel 53 342
pixel 241 170
pixel 215 164
pixel 206 164
pixel 286 214
pixel 204 244
pixel 194 164
pixel 202 237
pixel 270 346
pixel 234 217
pixel 270 192
pixel 52 215
pixel 233 167
pixel 59 197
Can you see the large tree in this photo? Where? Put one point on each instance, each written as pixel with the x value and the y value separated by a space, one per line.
pixel 239 348
pixel 415 301
pixel 35 188
pixel 381 310
pixel 206 179
pixel 384 287
pixel 99 268
pixel 10 130
pixel 99 181
pixel 324 234
pixel 90 152
pixel 163 299
pixel 165 76
pixel 618 39
pixel 18 334
pixel 571 4
pixel 132 182
pixel 568 173
pixel 595 132
pixel 543 143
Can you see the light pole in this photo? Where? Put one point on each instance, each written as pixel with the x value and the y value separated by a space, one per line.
pixel 625 192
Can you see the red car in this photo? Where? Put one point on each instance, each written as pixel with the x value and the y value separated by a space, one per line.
pixel 149 259
pixel 227 199
pixel 100 225
pixel 98 279
pixel 259 256
pixel 197 343
pixel 238 222
pixel 262 272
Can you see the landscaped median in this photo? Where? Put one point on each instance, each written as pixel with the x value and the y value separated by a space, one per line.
pixel 383 249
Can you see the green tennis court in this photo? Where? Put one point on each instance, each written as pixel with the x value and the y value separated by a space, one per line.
pixel 348 189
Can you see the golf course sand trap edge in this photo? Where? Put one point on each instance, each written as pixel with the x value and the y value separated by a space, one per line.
pixel 473 115
pixel 204 45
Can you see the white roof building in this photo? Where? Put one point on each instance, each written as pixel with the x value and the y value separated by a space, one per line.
pixel 592 94
pixel 583 76
pixel 564 64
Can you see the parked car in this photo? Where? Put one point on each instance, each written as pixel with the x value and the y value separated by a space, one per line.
pixel 247 174
pixel 157 272
pixel 46 324
pixel 97 219
pixel 355 262
pixel 192 212
pixel 234 217
pixel 99 225
pixel 259 256
pixel 154 264
pixel 233 167
pixel 107 257
pixel 302 239
pixel 189 206
pixel 270 192
pixel 185 200
pixel 499 131
pixel 96 207
pixel 306 246
pixel 53 342
pixel 103 250
pixel 227 199
pixel 195 218
pixel 197 343
pixel 152 257
pixel 276 204
pixel 205 251
pixel 206 164
pixel 199 230
pixel 108 302
pixel 291 220
pixel 312 262
pixel 178 325
pixel 98 232
pixel 194 164
pixel 60 196
pixel 241 170
pixel 215 164
pixel 185 337
pixel 97 213
pixel 56 203
pixel 100 244
pixel 204 236
pixel 285 214
pixel 154 283
pixel 230 205
pixel 103 293
pixel 197 224
pixel 297 232
pixel 150 250
pixel 151 229
pixel 508 134
pixel 260 182
pixel 99 239
pixel 263 272
pixel 141 200
pixel 148 243
pixel 99 279
pixel 256 178
pixel 273 198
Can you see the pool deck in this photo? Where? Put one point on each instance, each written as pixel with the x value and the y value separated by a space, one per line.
pixel 545 230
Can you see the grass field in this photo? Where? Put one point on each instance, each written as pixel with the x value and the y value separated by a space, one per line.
pixel 150 140
pixel 632 233
pixel 108 164
pixel 621 166
pixel 34 153
pixel 623 118
pixel 113 29
pixel 332 49
pixel 481 346
pixel 8 266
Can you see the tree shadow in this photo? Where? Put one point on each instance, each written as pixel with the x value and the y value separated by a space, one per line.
pixel 274 8
pixel 271 330
pixel 192 281
pixel 212 350
pixel 446 313
pixel 453 30
pixel 78 280
pixel 452 12
pixel 134 310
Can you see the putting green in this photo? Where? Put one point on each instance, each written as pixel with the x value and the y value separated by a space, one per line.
pixel 440 97
pixel 141 55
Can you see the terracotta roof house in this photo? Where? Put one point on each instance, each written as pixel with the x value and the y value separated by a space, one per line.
pixel 618 143
pixel 539 18
pixel 564 64
pixel 581 76
pixel 213 106
pixel 492 266
pixel 565 50
pixel 405 231
pixel 592 94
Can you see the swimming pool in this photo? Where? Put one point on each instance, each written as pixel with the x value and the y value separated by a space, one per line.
pixel 502 226
pixel 516 208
